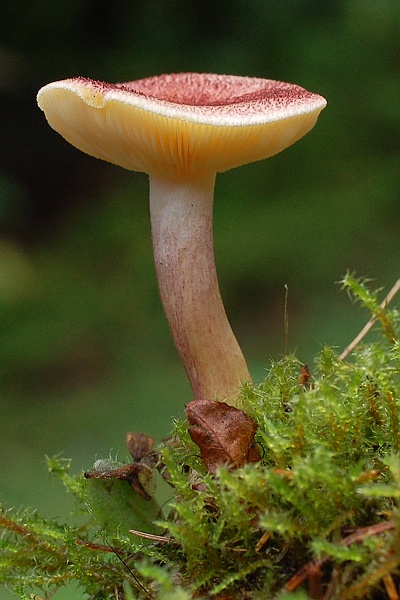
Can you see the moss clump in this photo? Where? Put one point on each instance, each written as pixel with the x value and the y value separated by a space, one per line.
pixel 317 517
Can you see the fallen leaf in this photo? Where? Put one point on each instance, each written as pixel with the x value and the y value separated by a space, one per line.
pixel 140 445
pixel 224 434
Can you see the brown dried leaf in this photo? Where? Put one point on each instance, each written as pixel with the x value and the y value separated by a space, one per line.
pixel 140 445
pixel 224 434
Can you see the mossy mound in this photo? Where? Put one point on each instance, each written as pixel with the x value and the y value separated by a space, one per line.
pixel 317 517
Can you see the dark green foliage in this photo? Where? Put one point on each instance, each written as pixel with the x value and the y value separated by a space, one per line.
pixel 319 514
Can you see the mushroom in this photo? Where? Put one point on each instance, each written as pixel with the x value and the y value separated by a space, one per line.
pixel 182 129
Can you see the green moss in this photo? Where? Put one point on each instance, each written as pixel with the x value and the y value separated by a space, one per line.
pixel 319 513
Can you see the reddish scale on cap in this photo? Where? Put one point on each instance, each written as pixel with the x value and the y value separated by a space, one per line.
pixel 217 95
pixel 195 89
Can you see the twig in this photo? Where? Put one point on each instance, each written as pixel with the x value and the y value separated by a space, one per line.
pixel 390 588
pixel 98 547
pixel 262 541
pixel 150 536
pixel 370 323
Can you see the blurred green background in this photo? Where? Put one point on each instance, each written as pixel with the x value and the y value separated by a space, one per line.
pixel 85 352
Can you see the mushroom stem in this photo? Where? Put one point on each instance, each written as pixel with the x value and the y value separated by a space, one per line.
pixel 181 211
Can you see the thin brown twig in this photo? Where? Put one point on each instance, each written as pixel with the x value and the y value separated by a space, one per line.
pixel 25 532
pixel 155 538
pixel 332 585
pixel 370 323
pixel 390 588
pixel 262 541
pixel 98 547
pixel 17 528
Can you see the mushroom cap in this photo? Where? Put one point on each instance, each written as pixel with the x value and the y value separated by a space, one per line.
pixel 180 124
